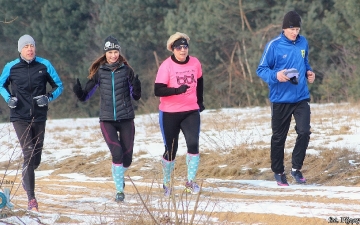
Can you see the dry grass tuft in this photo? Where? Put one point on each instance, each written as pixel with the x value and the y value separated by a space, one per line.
pixel 333 167
pixel 84 165
pixel 66 220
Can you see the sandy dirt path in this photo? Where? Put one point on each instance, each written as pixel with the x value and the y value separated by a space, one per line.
pixel 68 201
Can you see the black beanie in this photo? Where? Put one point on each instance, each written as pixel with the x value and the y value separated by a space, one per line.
pixel 111 43
pixel 291 19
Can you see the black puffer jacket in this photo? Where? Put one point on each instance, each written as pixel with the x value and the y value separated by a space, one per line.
pixel 115 92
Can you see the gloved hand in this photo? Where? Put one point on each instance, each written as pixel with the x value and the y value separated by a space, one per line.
pixel 12 103
pixel 201 106
pixel 293 74
pixel 77 89
pixel 181 89
pixel 136 84
pixel 42 100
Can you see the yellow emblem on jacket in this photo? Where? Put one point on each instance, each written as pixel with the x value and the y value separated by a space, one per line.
pixel 303 53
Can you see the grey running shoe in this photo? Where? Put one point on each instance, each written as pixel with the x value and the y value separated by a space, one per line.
pixel 192 187
pixel 167 190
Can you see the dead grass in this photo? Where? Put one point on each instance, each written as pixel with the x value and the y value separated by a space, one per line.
pixel 251 161
pixel 83 164
pixel 67 220
pixel 245 161
pixel 151 124
pixel 263 218
pixel 331 167
pixel 140 153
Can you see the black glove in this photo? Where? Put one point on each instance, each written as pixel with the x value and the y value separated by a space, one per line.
pixel 12 103
pixel 77 89
pixel 181 89
pixel 201 107
pixel 136 84
pixel 42 100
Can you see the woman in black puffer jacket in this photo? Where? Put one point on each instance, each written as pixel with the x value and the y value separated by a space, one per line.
pixel 118 84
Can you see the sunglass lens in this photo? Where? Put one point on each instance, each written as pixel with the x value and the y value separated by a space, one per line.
pixel 181 46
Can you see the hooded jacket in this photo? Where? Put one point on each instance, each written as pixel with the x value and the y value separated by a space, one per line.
pixel 29 80
pixel 282 53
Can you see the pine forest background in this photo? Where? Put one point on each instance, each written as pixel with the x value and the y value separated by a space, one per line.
pixel 228 36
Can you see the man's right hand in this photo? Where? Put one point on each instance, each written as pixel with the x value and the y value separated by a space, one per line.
pixel 281 76
pixel 12 103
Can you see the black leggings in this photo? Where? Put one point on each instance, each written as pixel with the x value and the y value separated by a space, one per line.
pixel 172 123
pixel 31 138
pixel 119 136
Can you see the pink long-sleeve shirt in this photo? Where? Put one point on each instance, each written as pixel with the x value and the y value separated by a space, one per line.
pixel 174 75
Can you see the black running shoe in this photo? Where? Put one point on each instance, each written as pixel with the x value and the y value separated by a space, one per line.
pixel 281 179
pixel 297 175
pixel 119 197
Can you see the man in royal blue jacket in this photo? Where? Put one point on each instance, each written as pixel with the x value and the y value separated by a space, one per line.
pixel 285 68
pixel 28 100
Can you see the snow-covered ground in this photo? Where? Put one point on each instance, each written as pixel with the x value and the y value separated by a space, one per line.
pixel 74 198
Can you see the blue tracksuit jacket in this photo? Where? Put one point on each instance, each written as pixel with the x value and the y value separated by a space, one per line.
pixel 282 53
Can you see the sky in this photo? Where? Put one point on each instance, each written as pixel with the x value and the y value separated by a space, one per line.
pixel 220 130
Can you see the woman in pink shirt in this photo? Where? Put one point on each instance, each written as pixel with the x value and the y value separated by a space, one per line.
pixel 179 84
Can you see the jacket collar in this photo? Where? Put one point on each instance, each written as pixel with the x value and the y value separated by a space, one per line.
pixel 27 61
pixel 112 67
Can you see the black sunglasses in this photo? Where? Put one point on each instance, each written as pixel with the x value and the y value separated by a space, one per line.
pixel 181 46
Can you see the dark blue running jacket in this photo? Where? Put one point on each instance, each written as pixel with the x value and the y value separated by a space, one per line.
pixel 27 81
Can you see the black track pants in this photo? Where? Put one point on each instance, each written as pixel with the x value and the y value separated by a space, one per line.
pixel 280 122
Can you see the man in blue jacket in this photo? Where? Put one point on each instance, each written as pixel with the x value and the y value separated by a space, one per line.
pixel 28 100
pixel 285 68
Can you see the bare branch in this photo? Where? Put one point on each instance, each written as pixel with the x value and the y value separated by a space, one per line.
pixel 9 21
